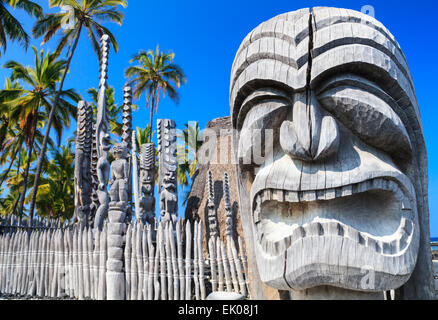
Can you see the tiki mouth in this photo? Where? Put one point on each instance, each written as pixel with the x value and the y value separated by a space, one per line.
pixel 375 213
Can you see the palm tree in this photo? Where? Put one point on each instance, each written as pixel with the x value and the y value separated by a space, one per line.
pixel 14 185
pixel 143 136
pixel 87 14
pixel 155 74
pixel 191 137
pixel 11 139
pixel 4 111
pixel 10 27
pixel 55 195
pixel 25 109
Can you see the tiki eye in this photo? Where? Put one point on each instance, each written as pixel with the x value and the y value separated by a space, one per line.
pixel 261 127
pixel 368 116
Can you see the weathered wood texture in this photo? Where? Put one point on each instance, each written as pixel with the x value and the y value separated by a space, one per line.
pixel 73 262
pixel 52 262
pixel 335 88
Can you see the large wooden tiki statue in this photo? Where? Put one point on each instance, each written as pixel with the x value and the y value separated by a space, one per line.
pixel 332 168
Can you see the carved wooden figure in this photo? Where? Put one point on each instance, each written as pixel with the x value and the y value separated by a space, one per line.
pixel 212 219
pixel 94 177
pixel 83 182
pixel 147 183
pixel 102 137
pixel 341 189
pixel 119 176
pixel 167 184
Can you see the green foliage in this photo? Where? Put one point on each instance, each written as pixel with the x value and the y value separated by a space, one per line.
pixel 40 82
pixel 143 136
pixel 25 103
pixel 10 27
pixel 155 74
pixel 86 14
pixel 191 138
pixel 55 196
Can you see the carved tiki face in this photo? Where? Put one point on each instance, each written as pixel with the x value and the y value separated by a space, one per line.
pixel 120 151
pixel 339 195
pixel 146 181
pixel 169 179
pixel 147 165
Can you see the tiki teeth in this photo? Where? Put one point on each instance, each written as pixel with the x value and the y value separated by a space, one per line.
pixel 387 248
pixel 362 239
pixel 312 229
pixel 297 234
pixel 395 246
pixel 347 191
pixel 379 246
pixel 333 193
pixel 371 243
pixel 278 195
pixel 341 230
pixel 320 195
pixel 330 194
pixel 352 234
pixel 291 196
pixel 309 196
pixel 362 187
pixel 282 245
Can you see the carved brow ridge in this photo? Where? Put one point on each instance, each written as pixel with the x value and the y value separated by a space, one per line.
pixel 261 95
pixel 309 33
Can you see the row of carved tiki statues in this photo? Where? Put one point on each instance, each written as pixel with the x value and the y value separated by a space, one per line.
pixel 94 174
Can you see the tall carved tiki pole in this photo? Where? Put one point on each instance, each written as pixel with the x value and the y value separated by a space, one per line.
pixel 127 117
pixel 94 179
pixel 135 175
pixel 212 220
pixel 83 163
pixel 114 275
pixel 102 137
pixel 167 184
pixel 127 138
pixel 212 223
pixel 228 209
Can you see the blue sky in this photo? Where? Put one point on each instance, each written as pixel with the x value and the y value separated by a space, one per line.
pixel 205 35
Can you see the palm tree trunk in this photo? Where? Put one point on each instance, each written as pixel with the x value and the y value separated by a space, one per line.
pixel 26 175
pixel 152 114
pixel 49 124
pixel 5 175
pixel 18 199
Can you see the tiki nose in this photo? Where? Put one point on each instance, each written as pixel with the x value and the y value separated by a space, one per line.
pixel 311 135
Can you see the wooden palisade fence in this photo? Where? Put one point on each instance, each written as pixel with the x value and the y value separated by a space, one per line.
pixel 150 260
pixel 162 262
